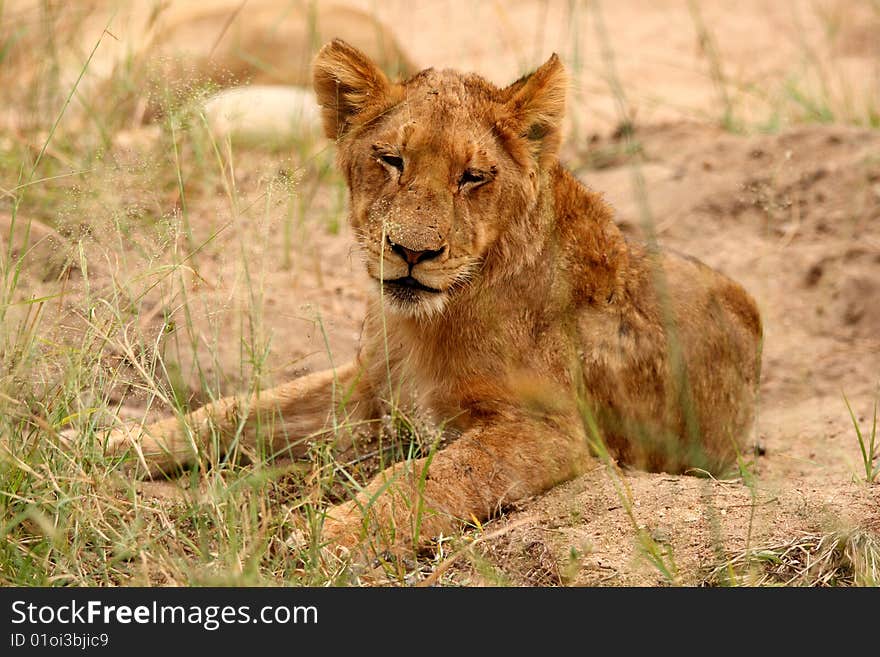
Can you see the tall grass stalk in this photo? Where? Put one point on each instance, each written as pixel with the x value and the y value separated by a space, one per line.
pixel 709 48
pixel 868 446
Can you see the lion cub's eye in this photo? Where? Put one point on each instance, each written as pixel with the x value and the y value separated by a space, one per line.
pixel 393 161
pixel 472 178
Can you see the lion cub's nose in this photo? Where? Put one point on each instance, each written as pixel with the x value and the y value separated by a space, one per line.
pixel 414 257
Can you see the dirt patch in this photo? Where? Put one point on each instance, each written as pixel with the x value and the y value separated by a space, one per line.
pixel 581 533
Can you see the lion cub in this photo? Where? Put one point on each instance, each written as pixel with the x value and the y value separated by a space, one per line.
pixel 506 306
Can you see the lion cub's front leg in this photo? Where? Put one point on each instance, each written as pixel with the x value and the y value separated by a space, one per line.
pixel 282 418
pixel 491 465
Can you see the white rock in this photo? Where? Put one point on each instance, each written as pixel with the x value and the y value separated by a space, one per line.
pixel 264 112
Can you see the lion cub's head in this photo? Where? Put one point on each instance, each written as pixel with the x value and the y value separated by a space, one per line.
pixel 444 169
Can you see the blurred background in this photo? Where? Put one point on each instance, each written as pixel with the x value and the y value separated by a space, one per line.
pixel 751 64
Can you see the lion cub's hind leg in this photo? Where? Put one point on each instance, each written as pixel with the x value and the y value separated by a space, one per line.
pixel 712 354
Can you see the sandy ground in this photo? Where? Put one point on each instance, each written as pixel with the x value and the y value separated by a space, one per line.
pixel 794 216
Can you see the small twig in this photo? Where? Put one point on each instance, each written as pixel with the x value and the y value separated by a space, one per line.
pixel 749 505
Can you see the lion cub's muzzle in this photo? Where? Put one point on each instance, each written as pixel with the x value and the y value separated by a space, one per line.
pixel 409 283
pixel 412 257
pixel 408 259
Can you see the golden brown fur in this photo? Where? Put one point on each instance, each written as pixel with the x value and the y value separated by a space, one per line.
pixel 507 306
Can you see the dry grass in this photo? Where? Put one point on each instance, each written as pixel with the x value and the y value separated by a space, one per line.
pixel 840 558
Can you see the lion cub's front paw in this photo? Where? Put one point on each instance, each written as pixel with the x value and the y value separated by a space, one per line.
pixel 141 451
pixel 124 440
pixel 343 526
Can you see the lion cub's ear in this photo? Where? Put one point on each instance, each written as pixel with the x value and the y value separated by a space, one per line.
pixel 346 83
pixel 533 107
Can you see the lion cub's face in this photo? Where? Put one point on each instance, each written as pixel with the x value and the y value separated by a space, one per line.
pixel 441 169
